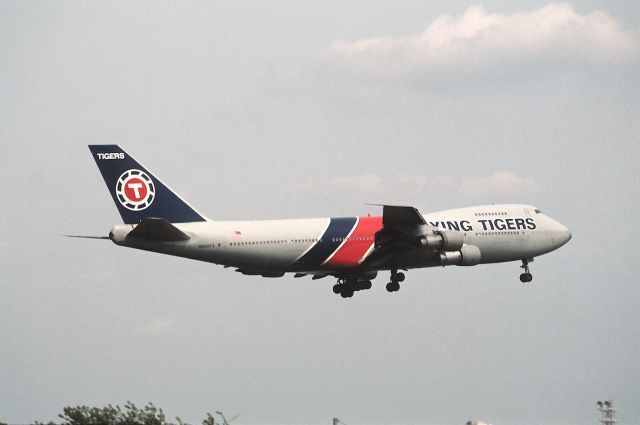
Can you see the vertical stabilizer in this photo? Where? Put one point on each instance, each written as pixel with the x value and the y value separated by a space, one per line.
pixel 137 193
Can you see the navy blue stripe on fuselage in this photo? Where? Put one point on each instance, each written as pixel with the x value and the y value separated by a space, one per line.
pixel 337 230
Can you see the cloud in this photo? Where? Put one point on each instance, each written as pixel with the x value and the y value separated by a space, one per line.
pixel 5 250
pixel 480 40
pixel 157 327
pixel 499 183
pixel 496 184
pixel 363 182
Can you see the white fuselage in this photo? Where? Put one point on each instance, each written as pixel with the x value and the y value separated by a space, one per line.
pixel 332 245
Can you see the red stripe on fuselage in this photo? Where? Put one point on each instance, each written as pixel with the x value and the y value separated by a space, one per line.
pixel 358 243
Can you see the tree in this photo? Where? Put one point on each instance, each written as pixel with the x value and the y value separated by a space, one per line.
pixel 130 414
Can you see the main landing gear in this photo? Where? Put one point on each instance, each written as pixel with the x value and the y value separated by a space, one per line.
pixel 349 284
pixel 346 286
pixel 396 278
pixel 526 276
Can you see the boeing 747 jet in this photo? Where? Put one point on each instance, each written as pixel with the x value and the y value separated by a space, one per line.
pixel 351 249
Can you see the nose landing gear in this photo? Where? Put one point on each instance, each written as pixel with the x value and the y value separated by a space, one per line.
pixel 526 276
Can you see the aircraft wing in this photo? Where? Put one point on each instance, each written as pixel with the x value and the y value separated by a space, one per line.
pixel 157 230
pixel 401 228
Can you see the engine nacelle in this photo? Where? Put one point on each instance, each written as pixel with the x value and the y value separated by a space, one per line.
pixel 442 240
pixel 468 255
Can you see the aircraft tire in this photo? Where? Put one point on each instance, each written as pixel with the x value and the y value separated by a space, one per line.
pixel 526 277
pixel 346 293
pixel 400 277
pixel 336 288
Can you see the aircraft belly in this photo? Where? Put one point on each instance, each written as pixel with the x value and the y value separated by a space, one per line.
pixel 408 259
pixel 498 251
pixel 269 260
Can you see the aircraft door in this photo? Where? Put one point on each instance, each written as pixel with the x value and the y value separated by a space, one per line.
pixel 524 236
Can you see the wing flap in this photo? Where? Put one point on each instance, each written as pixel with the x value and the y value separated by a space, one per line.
pixel 393 215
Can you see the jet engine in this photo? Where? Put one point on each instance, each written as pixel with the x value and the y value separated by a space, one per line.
pixel 442 240
pixel 468 255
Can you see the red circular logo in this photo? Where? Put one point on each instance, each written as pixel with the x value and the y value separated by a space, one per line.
pixel 135 190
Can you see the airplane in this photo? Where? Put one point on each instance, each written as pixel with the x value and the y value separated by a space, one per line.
pixel 352 250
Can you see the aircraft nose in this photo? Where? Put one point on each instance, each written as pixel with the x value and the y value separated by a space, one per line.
pixel 565 235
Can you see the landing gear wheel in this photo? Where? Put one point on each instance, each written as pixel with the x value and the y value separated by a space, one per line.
pixel 526 276
pixel 396 278
pixel 346 293
pixel 349 284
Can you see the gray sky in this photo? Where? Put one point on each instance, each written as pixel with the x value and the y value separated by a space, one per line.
pixel 306 109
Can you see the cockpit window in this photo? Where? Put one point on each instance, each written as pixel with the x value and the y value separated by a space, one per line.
pixel 538 211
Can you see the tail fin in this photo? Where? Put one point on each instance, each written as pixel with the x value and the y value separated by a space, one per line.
pixel 138 193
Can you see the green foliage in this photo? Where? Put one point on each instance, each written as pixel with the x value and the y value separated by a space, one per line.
pixel 209 420
pixel 130 414
pixel 113 415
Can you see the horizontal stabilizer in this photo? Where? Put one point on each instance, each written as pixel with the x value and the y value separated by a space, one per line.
pixel 87 237
pixel 157 230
